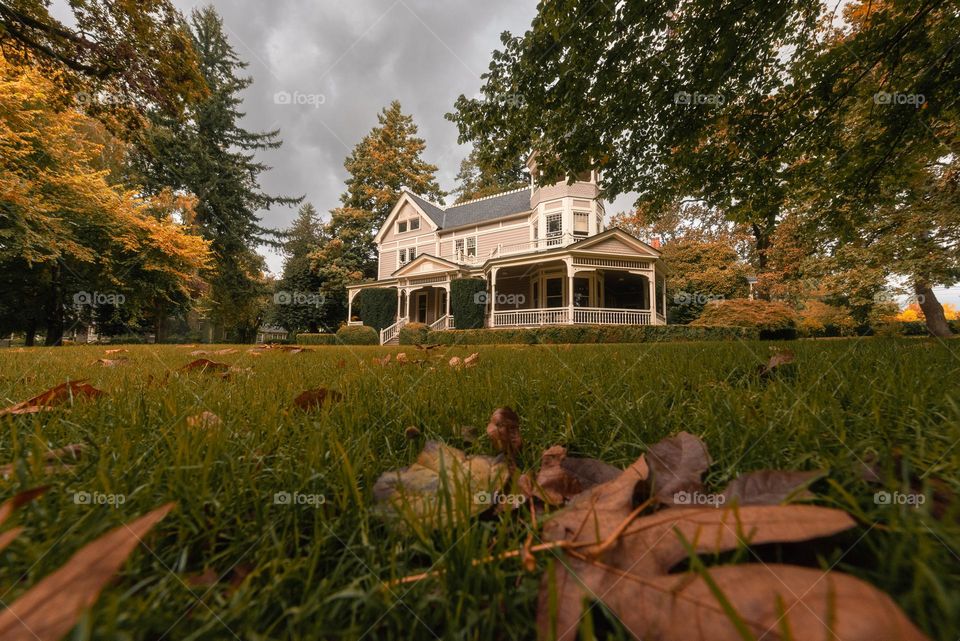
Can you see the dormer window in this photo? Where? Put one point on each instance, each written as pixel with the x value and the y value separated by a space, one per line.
pixel 401 226
pixel 414 224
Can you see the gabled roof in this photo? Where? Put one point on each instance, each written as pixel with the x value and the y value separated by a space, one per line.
pixel 616 232
pixel 419 260
pixel 476 211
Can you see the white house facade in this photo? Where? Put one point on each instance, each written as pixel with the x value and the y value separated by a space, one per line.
pixel 543 251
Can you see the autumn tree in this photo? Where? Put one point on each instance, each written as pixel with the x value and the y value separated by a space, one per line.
pixel 386 160
pixel 297 302
pixel 67 233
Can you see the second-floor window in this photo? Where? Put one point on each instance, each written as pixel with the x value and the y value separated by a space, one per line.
pixel 407 254
pixel 581 224
pixel 414 224
pixel 554 226
pixel 404 225
pixel 465 246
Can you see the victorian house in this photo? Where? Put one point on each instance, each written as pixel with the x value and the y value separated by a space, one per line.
pixel 544 252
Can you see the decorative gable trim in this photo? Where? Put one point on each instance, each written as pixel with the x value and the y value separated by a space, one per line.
pixel 416 265
pixel 392 216
pixel 615 234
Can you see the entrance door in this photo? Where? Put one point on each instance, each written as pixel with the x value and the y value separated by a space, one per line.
pixel 421 307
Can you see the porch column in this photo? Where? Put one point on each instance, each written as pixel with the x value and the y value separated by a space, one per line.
pixel 652 284
pixel 570 273
pixel 350 296
pixel 399 297
pixel 493 293
pixel 446 297
pixel 663 298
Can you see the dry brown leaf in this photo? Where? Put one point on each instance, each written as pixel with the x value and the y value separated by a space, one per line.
pixel 51 608
pixel 770 487
pixel 205 365
pixel 472 360
pixel 203 420
pixel 19 500
pixel 778 359
pixel 53 396
pixel 205 579
pixel 562 477
pixel 382 362
pixel 427 348
pixel 110 362
pixel 676 465
pixel 8 537
pixel 402 358
pixel 504 430
pixel 412 432
pixel 56 460
pixel 443 486
pixel 625 560
pixel 316 398
pixel 118 350
pixel 456 362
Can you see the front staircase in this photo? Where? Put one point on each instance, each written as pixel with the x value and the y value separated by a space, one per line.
pixel 391 335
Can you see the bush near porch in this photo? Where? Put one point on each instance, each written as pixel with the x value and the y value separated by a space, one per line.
pixel 560 334
pixel 772 320
pixel 377 307
pixel 346 335
pixel 467 312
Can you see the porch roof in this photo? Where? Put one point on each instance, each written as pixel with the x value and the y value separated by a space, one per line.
pixel 644 251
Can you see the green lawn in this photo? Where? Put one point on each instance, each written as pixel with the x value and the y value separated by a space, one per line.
pixel 306 572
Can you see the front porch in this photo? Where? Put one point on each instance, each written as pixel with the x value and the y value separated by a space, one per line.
pixel 576 290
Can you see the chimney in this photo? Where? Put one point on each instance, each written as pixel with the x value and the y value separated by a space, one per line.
pixel 655 243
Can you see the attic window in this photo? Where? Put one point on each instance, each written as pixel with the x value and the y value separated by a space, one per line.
pixel 414 224
pixel 401 226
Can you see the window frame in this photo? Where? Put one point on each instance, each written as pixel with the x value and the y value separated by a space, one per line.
pixel 401 226
pixel 585 217
pixel 411 226
pixel 558 217
pixel 471 251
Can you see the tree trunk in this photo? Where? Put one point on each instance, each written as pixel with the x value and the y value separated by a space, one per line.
pixel 54 311
pixel 30 335
pixel 761 236
pixel 160 328
pixel 932 310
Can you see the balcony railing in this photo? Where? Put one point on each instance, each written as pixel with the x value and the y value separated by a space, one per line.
pixel 561 316
pixel 542 244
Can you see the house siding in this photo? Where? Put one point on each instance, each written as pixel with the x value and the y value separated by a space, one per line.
pixel 407 212
pixel 516 230
pixel 613 246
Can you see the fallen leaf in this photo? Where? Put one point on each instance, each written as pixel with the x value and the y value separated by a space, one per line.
pixel 412 432
pixel 57 460
pixel 777 360
pixel 562 477
pixel 676 465
pixel 770 487
pixel 54 396
pixel 402 357
pixel 456 362
pixel 205 579
pixel 107 362
pixel 19 500
pixel 204 420
pixel 443 486
pixel 504 430
pixel 341 363
pixel 315 398
pixel 118 350
pixel 472 360
pixel 427 348
pixel 204 365
pixel 382 362
pixel 52 607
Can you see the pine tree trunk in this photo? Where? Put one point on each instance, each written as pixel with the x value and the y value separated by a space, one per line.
pixel 160 328
pixel 932 310
pixel 30 334
pixel 55 311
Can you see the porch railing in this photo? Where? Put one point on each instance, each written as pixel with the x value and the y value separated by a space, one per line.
pixel 561 316
pixel 387 334
pixel 442 323
pixel 542 244
pixel 607 316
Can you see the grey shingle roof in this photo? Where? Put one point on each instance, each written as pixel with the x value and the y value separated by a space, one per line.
pixel 477 211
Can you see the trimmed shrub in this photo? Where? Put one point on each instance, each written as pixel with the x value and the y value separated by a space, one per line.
pixel 414 334
pixel 316 339
pixel 562 334
pixel 467 303
pixel 772 319
pixel 377 307
pixel 358 335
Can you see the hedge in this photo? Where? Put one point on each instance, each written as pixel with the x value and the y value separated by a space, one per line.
pixel 414 334
pixel 561 334
pixel 468 302
pixel 346 335
pixel 377 307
